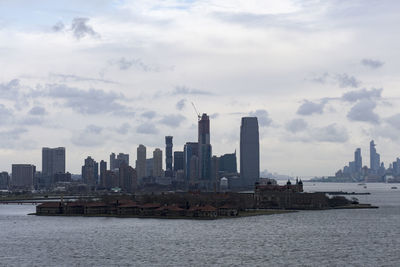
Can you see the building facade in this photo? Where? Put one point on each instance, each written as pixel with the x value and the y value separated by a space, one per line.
pixel 168 155
pixel 141 162
pixel 178 160
pixel 90 172
pixel 157 163
pixel 22 176
pixel 249 151
pixel 53 160
pixel 205 151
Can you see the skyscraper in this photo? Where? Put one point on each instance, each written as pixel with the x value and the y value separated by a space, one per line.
pixel 141 162
pixel 374 158
pixel 178 160
pixel 157 163
pixel 22 176
pixel 204 148
pixel 357 160
pixel 168 155
pixel 53 160
pixel 115 162
pixel 90 172
pixel 103 170
pixel 249 151
pixel 190 150
pixel 112 161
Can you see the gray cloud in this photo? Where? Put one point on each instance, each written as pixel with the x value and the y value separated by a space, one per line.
pixel 371 63
pixel 394 121
pixel 91 136
pixel 6 115
pixel 263 117
pixel 180 104
pixel 92 101
pixel 296 125
pixel 353 96
pixel 93 129
pixel 70 77
pixel 59 26
pixel 309 108
pixel 125 64
pixel 183 90
pixel 37 111
pixel 149 114
pixel 11 139
pixel 147 128
pixel 321 78
pixel 10 90
pixel 345 80
pixel 31 120
pixel 172 120
pixel 80 28
pixel 123 129
pixel 331 133
pixel 364 111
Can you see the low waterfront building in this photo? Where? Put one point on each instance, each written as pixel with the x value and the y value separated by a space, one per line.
pixel 96 208
pixel 75 208
pixel 131 208
pixel 49 208
pixel 228 210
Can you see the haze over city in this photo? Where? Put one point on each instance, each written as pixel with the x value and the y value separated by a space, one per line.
pixel 106 76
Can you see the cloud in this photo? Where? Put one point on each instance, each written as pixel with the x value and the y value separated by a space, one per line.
pixel 345 80
pixel 91 136
pixel 309 108
pixel 147 128
pixel 59 26
pixel 296 125
pixel 75 78
pixel 37 111
pixel 172 120
pixel 88 102
pixel 180 104
pixel 80 28
pixel 6 115
pixel 394 121
pixel 371 63
pixel 11 139
pixel 149 114
pixel 321 78
pixel 353 96
pixel 183 90
pixel 331 133
pixel 364 111
pixel 123 129
pixel 10 90
pixel 125 64
pixel 262 116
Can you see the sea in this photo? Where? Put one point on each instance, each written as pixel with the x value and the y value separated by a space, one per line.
pixel 362 237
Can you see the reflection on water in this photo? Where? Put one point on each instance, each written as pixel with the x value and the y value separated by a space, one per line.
pixel 334 237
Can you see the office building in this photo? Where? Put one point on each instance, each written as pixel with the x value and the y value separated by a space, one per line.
pixel 53 160
pixel 22 176
pixel 141 162
pixel 90 172
pixel 4 181
pixel 115 162
pixel 168 156
pixel 157 163
pixel 227 163
pixel 374 158
pixel 103 170
pixel 357 160
pixel 149 167
pixel 178 160
pixel 249 151
pixel 127 178
pixel 204 152
pixel 190 150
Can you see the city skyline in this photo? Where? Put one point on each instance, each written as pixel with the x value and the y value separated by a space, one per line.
pixel 320 76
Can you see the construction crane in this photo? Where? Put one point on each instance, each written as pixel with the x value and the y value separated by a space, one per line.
pixel 195 110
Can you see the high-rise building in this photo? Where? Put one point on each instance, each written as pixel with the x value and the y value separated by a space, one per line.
pixel 149 167
pixel 357 160
pixel 53 161
pixel 249 151
pixel 90 172
pixel 157 163
pixel 127 178
pixel 168 156
pixel 204 148
pixel 4 181
pixel 178 160
pixel 22 176
pixel 141 162
pixel 227 163
pixel 190 150
pixel 103 170
pixel 115 162
pixel 112 161
pixel 375 161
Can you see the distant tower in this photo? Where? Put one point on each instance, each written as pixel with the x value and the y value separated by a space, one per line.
pixel 168 155
pixel 90 172
pixel 141 162
pixel 53 160
pixel 112 161
pixel 103 170
pixel 204 148
pixel 191 149
pixel 374 157
pixel 157 163
pixel 249 151
pixel 357 160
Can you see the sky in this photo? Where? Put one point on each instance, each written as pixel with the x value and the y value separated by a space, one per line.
pixel 105 76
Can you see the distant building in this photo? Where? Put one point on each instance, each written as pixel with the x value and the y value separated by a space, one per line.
pixel 375 161
pixel 190 169
pixel 112 161
pixel 357 160
pixel 141 162
pixel 22 176
pixel 205 151
pixel 90 172
pixel 53 160
pixel 103 170
pixel 149 167
pixel 127 178
pixel 4 181
pixel 115 162
pixel 227 163
pixel 249 151
pixel 178 160
pixel 157 164
pixel 168 156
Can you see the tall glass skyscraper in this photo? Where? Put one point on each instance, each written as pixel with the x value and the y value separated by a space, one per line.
pixel 375 160
pixel 204 148
pixel 249 151
pixel 168 155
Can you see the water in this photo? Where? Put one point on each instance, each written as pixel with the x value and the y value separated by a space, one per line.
pixel 368 237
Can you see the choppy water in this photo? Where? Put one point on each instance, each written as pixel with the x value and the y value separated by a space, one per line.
pixel 312 238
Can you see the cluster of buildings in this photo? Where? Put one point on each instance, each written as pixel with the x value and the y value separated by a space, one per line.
pixel 376 172
pixel 194 167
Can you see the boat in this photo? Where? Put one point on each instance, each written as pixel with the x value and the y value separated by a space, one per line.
pixel 361 184
pixel 393 187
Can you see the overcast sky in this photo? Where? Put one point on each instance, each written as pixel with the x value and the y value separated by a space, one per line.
pixel 104 76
